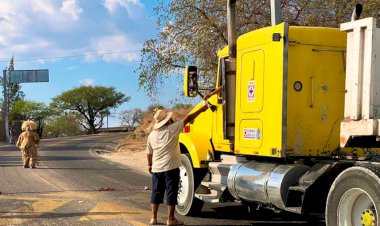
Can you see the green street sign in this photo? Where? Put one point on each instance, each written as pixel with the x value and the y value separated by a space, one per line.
pixel 24 76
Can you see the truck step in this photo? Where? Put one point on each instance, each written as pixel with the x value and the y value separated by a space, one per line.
pixel 299 188
pixel 219 170
pixel 214 197
pixel 214 186
pixel 296 196
pixel 212 191
pixel 297 210
pixel 216 191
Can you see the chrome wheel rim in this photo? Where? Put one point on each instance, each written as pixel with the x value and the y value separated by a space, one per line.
pixel 356 208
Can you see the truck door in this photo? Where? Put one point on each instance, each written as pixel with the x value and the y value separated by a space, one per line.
pixel 261 76
pixel 219 139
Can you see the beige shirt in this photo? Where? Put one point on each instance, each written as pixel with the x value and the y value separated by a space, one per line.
pixel 163 144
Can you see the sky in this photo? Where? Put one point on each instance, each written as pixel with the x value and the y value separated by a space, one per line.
pixel 36 32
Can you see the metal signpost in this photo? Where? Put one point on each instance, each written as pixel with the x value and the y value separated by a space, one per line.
pixel 20 76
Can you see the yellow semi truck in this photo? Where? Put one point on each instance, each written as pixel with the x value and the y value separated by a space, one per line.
pixel 296 126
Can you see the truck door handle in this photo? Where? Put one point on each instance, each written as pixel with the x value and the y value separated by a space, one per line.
pixel 312 92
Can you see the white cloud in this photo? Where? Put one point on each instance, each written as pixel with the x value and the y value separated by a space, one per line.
pixel 33 29
pixel 46 7
pixel 25 50
pixel 22 19
pixel 71 8
pixel 87 82
pixel 116 43
pixel 90 58
pixel 27 47
pixel 11 25
pixel 129 5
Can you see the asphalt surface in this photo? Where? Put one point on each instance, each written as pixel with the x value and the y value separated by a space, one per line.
pixel 72 185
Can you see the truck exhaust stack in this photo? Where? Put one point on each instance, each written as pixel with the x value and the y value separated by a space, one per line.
pixel 357 12
pixel 231 26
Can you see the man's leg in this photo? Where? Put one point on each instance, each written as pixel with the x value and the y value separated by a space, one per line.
pixel 172 180
pixel 22 157
pixel 171 209
pixel 25 158
pixel 33 162
pixel 26 163
pixel 158 191
pixel 33 155
pixel 154 207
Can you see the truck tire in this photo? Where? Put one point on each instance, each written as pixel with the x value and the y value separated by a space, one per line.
pixel 354 198
pixel 190 178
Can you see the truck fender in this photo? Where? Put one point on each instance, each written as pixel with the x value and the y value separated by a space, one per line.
pixel 197 145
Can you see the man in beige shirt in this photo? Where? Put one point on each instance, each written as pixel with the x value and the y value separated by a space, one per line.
pixel 164 160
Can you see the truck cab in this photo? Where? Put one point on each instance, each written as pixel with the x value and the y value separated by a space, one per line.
pixel 288 98
pixel 296 120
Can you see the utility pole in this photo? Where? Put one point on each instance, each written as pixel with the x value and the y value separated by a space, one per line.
pixel 107 119
pixel 5 105
pixel 65 123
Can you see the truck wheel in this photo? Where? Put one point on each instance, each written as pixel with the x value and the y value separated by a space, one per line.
pixel 354 199
pixel 189 181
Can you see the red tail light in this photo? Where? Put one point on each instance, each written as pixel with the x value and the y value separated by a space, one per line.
pixel 186 129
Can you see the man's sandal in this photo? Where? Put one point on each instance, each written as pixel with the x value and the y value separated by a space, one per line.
pixel 174 222
pixel 153 221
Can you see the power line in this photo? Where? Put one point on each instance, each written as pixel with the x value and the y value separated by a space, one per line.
pixel 73 56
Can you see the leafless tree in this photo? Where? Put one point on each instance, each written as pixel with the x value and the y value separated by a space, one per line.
pixel 132 117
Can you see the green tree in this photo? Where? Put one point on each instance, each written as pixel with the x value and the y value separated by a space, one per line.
pixel 91 102
pixel 36 111
pixel 67 124
pixel 192 31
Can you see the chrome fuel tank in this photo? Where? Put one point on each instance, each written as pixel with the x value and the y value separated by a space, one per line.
pixel 266 183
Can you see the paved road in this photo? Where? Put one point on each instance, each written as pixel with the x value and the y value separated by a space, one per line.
pixel 68 187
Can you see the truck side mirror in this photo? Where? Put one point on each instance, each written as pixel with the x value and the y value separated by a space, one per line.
pixel 190 81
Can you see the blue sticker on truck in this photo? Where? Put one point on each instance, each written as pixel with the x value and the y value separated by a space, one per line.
pixel 251 91
pixel 251 134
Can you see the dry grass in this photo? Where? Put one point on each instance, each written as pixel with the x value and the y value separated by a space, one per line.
pixel 131 150
pixel 136 141
pixel 132 145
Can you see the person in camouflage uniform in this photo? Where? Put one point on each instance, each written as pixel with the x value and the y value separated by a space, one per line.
pixel 27 142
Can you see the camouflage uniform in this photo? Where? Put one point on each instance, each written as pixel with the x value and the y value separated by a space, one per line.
pixel 27 142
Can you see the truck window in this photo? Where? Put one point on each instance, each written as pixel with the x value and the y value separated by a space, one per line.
pixel 222 72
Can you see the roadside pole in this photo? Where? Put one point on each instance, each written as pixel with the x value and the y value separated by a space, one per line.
pixel 5 106
pixel 19 76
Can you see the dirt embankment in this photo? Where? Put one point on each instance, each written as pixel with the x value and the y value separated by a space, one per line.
pixel 130 151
